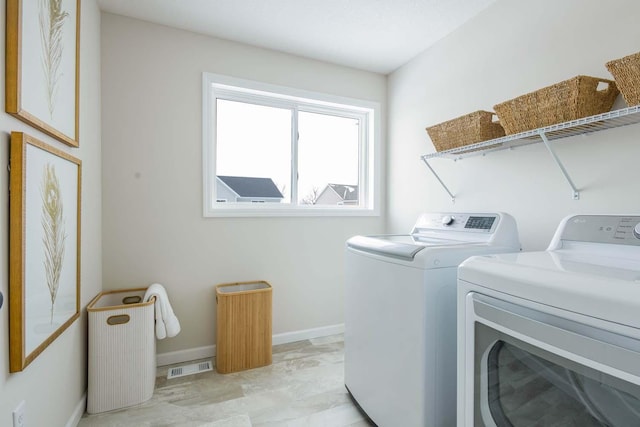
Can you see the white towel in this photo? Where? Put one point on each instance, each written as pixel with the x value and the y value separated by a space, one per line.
pixel 167 324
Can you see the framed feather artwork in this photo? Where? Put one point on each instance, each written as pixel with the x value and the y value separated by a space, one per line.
pixel 44 246
pixel 42 65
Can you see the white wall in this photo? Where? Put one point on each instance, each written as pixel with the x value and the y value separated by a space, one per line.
pixel 152 183
pixel 54 383
pixel 512 48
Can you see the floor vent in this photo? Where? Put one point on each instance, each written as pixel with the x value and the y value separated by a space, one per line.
pixel 195 368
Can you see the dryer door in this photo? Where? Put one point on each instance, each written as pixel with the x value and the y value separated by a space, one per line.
pixel 533 367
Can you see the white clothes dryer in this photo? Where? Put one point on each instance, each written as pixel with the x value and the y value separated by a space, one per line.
pixel 553 337
pixel 400 317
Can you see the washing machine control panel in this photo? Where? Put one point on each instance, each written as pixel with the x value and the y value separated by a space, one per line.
pixel 485 223
pixel 614 229
pixel 480 222
pixel 448 220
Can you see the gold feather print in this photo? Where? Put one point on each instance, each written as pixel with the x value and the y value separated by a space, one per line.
pixel 54 233
pixel 52 19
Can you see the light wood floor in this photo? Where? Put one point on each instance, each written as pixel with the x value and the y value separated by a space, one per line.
pixel 304 386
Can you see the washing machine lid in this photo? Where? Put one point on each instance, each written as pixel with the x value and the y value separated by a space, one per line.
pixel 404 246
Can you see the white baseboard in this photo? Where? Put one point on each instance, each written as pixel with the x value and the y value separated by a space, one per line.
pixel 188 355
pixel 307 334
pixel 78 412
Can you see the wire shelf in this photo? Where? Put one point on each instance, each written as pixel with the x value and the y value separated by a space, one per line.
pixel 610 120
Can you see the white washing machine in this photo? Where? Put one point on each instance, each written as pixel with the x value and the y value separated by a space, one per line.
pixel 553 337
pixel 400 318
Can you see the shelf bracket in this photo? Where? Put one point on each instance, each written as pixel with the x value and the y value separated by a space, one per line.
pixel 575 192
pixel 453 198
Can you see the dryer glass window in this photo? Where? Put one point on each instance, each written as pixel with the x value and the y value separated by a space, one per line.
pixel 532 389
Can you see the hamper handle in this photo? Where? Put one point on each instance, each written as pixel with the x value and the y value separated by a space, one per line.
pixel 119 319
pixel 132 299
pixel 606 90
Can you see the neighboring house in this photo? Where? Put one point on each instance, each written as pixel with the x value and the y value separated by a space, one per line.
pixel 338 194
pixel 247 189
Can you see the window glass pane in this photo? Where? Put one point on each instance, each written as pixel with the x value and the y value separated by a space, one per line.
pixel 253 153
pixel 328 167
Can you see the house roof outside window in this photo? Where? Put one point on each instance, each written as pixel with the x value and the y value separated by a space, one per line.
pixel 338 194
pixel 251 187
pixel 346 192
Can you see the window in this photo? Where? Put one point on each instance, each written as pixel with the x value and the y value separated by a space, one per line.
pixel 272 150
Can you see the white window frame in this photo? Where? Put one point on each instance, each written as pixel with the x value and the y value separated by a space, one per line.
pixel 217 86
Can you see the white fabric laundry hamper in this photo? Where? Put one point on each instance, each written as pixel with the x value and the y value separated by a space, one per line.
pixel 122 350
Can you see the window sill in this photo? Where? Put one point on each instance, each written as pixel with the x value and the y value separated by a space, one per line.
pixel 289 211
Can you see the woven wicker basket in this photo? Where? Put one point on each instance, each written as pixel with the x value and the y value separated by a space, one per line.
pixel 568 100
pixel 465 130
pixel 626 71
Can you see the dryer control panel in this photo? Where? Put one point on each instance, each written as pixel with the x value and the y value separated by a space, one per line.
pixel 612 229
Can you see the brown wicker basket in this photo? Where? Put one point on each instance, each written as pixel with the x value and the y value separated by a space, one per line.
pixel 568 100
pixel 465 130
pixel 626 71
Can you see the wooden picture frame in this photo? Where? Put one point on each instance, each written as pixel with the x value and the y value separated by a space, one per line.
pixel 44 246
pixel 43 66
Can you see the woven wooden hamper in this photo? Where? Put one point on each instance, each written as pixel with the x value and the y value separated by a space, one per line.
pixel 626 72
pixel 465 130
pixel 568 100
pixel 243 326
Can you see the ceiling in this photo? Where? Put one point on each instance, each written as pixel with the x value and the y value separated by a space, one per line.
pixel 373 35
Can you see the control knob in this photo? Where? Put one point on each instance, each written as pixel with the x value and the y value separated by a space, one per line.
pixel 447 220
pixel 636 231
